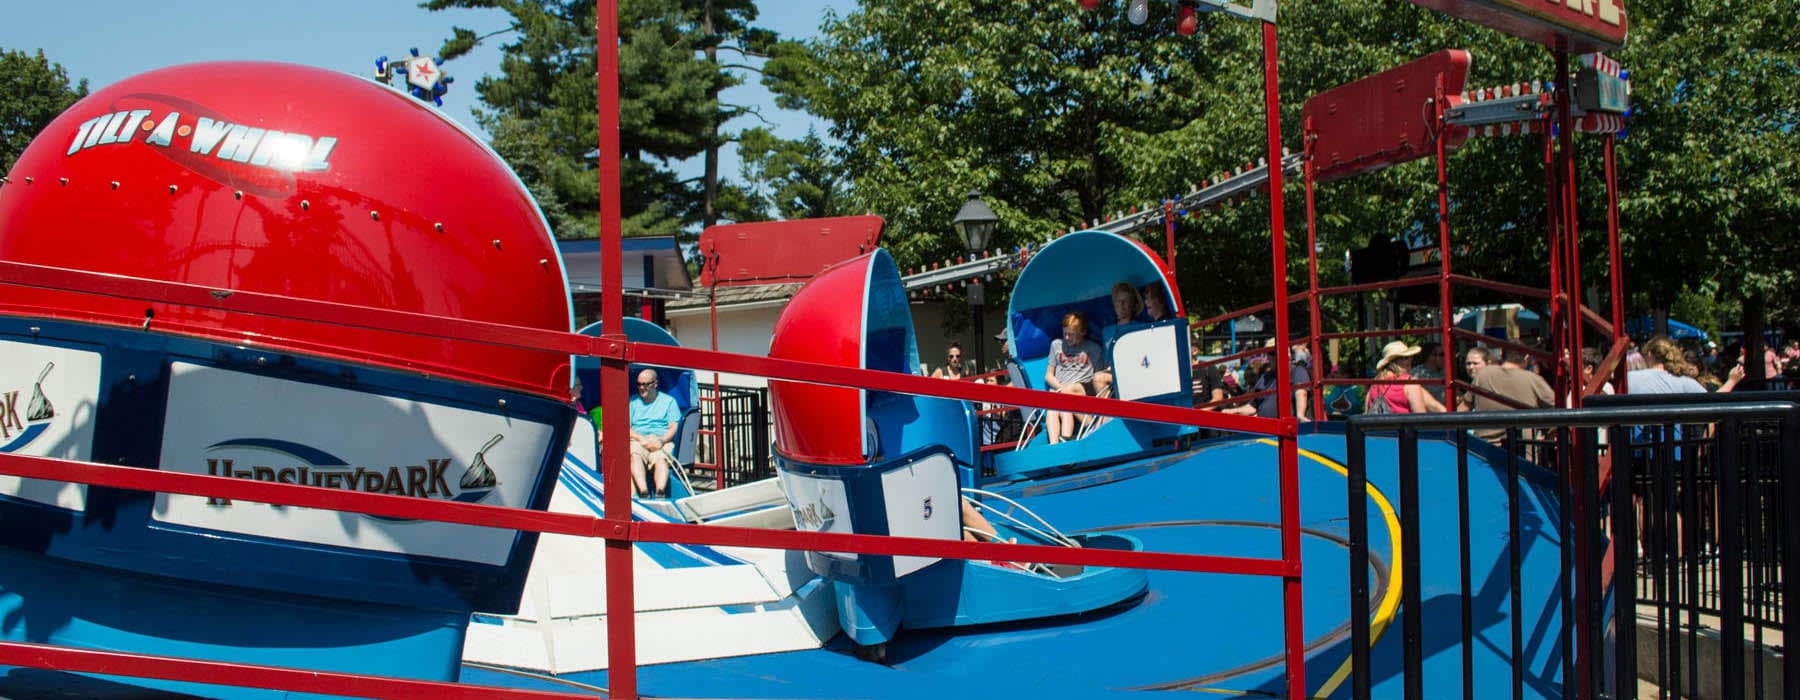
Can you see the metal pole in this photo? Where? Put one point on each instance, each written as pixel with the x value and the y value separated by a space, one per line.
pixel 1312 273
pixel 1439 104
pixel 718 405
pixel 1616 268
pixel 1553 217
pixel 1289 453
pixel 1412 627
pixel 1356 465
pixel 1568 359
pixel 1571 231
pixel 978 302
pixel 1169 237
pixel 621 622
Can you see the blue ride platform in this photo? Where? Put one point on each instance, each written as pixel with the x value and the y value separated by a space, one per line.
pixel 1209 632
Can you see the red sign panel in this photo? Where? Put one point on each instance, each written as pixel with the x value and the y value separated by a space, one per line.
pixel 1384 119
pixel 1581 26
pixel 771 252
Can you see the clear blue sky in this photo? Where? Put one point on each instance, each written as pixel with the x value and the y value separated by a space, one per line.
pixel 107 40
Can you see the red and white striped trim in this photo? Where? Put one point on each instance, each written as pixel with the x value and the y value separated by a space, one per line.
pixel 1601 62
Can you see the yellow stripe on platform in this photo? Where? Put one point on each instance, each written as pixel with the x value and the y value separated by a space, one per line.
pixel 1390 601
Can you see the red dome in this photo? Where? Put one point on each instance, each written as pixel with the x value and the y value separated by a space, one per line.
pixel 282 179
pixel 823 323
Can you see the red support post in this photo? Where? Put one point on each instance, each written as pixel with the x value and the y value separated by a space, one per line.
pixel 1568 359
pixel 1571 356
pixel 718 406
pixel 621 618
pixel 1439 103
pixel 1288 450
pixel 1312 272
pixel 1615 272
pixel 1168 239
pixel 1553 219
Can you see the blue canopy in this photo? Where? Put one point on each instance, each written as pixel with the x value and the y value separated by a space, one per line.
pixel 1076 273
pixel 678 383
pixel 1644 326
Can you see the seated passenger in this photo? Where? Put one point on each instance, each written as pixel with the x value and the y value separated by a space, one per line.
pixel 953 365
pixel 1396 364
pixel 654 420
pixel 1126 307
pixel 1156 305
pixel 1071 368
pixel 976 527
pixel 1126 304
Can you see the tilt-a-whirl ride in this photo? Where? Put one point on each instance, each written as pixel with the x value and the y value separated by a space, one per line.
pixel 285 182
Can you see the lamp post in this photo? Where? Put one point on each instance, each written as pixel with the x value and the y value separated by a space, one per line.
pixel 975 222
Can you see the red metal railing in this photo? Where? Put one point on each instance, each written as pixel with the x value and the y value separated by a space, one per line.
pixel 615 353
pixel 619 532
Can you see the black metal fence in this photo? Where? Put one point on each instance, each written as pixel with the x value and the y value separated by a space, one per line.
pixel 1708 487
pixel 741 451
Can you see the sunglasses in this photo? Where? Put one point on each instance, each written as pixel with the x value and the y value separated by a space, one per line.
pixel 956 357
pixel 646 383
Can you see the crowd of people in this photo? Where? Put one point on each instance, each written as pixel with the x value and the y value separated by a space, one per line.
pixel 1408 378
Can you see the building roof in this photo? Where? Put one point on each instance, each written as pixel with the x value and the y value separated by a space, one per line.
pixel 653 265
pixel 729 296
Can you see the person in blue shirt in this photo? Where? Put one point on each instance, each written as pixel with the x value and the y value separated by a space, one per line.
pixel 654 419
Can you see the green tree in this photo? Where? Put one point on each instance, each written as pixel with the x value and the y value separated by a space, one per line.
pixel 542 108
pixel 796 179
pixel 1063 116
pixel 1712 183
pixel 1024 101
pixel 32 92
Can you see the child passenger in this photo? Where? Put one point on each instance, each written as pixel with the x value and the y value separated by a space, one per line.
pixel 1126 303
pixel 1073 362
pixel 1156 304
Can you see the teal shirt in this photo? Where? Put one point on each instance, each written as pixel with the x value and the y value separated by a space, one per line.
pixel 654 417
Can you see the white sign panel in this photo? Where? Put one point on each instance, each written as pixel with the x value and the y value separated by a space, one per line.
pixel 47 400
pixel 922 501
pixel 584 444
pixel 819 505
pixel 228 423
pixel 1147 363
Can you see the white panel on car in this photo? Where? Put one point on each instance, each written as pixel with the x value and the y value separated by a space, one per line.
pixel 48 396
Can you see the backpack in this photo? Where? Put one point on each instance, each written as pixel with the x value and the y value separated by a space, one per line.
pixel 1378 403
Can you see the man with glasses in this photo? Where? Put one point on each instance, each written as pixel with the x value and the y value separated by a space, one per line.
pixel 654 419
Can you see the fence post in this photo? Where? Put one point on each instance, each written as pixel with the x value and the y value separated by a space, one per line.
pixel 1413 631
pixel 759 436
pixel 1624 550
pixel 1731 567
pixel 1790 545
pixel 1358 485
pixel 1463 560
pixel 1517 611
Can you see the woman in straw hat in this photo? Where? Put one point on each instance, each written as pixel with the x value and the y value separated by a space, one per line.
pixel 1396 364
